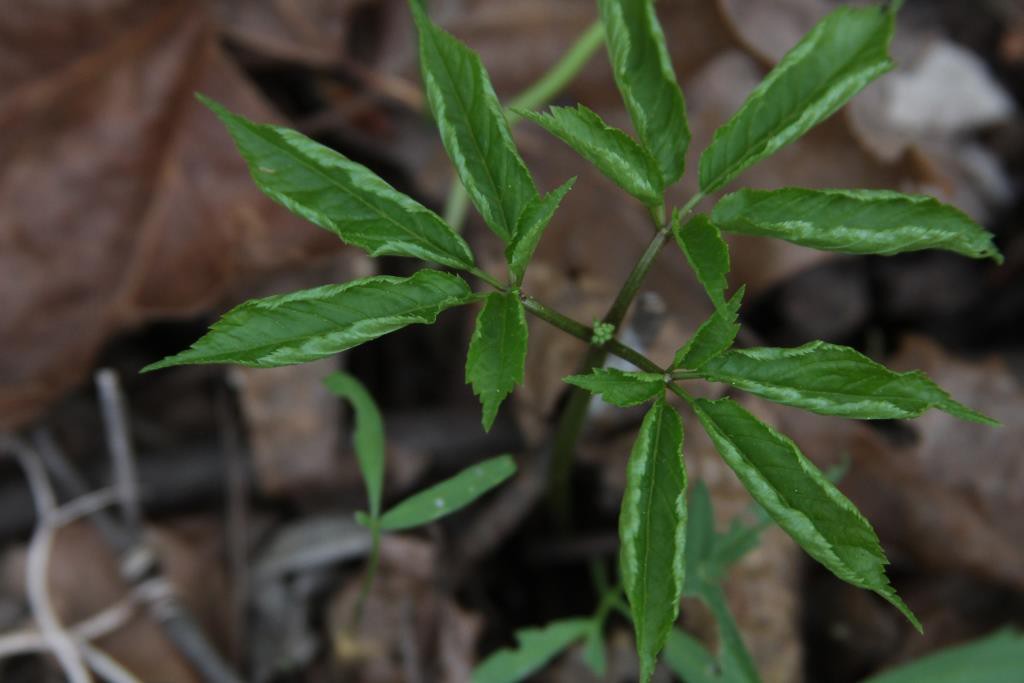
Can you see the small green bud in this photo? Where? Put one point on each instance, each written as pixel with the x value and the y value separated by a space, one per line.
pixel 603 333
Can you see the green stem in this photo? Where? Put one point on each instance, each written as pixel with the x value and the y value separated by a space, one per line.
pixel 456 206
pixel 585 333
pixel 681 393
pixel 617 312
pixel 368 579
pixel 550 84
pixel 493 282
pixel 685 374
pixel 609 600
pixel 599 577
pixel 689 206
pixel 570 424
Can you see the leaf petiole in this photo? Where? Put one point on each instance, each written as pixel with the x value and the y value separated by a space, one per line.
pixel 492 281
pixel 586 333
pixel 685 375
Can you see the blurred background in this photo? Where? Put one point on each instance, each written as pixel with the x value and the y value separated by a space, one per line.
pixel 128 222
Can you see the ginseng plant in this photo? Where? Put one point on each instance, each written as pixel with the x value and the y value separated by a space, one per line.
pixel 837 58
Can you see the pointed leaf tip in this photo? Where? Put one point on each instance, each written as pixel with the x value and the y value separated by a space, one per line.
pixel 448 496
pixel 799 497
pixel 531 226
pixel 348 199
pixel 619 157
pixel 855 221
pixel 833 380
pixel 368 435
pixel 496 361
pixel 473 127
pixel 835 60
pixel 309 324
pixel 645 77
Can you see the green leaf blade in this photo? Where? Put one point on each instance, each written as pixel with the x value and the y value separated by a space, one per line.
pixel 708 254
pixel 855 221
pixel 537 647
pixel 690 660
pixel 496 361
pixel 993 659
pixel 700 536
pixel 835 60
pixel 833 380
pixel 473 127
pixel 652 531
pixel 645 77
pixel 713 337
pixel 614 153
pixel 532 224
pixel 341 196
pixel 448 496
pixel 620 388
pixel 368 436
pixel 799 498
pixel 737 662
pixel 310 324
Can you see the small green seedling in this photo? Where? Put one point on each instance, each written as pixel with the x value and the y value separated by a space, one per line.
pixel 429 505
pixel 841 55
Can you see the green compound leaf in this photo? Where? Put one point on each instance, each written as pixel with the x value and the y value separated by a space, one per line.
pixel 652 531
pixel 842 54
pixel 341 196
pixel 799 498
pixel 644 75
pixel 537 647
pixel 497 352
pixel 833 380
pixel 707 253
pixel 614 153
pixel 620 388
pixel 532 223
pixel 441 500
pixel 713 337
pixel 368 436
pixel 314 323
pixel 473 127
pixel 855 221
pixel 994 659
